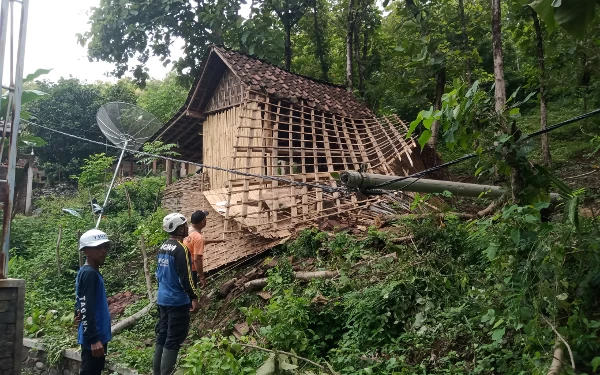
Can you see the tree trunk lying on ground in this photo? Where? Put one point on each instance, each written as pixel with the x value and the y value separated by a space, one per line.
pixel 128 322
pixel 556 365
pixel 303 276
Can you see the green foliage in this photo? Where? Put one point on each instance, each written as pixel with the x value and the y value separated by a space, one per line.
pixel 163 98
pixel 94 172
pixel 307 244
pixel 156 148
pixel 216 355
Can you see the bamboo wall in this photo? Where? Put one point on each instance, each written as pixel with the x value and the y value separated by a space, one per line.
pixel 221 135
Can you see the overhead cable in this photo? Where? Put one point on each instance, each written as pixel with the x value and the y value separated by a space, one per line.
pixel 329 189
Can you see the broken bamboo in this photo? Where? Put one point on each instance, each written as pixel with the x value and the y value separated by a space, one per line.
pixel 146 270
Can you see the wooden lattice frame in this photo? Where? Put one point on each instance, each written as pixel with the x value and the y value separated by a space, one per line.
pixel 300 143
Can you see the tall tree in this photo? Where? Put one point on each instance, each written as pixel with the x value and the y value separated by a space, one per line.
pixel 466 49
pixel 289 12
pixel 547 159
pixel 500 85
pixel 349 44
pixel 320 47
pixel 121 30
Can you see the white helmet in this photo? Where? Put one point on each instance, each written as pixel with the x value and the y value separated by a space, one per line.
pixel 172 221
pixel 93 238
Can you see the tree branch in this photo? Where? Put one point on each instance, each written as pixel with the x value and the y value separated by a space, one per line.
pixel 285 353
pixel 561 339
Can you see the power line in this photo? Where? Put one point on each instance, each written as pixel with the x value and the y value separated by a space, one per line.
pixel 421 174
pixel 329 189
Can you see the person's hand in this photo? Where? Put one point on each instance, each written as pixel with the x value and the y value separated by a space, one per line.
pixel 77 318
pixel 98 350
pixel 195 306
pixel 202 282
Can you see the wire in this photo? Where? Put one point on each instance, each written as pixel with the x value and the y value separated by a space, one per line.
pixel 473 155
pixel 329 189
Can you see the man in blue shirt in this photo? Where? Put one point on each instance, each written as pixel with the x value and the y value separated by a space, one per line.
pixel 176 298
pixel 91 305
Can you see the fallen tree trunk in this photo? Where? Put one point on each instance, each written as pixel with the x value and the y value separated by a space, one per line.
pixel 556 365
pixel 303 276
pixel 428 215
pixel 128 322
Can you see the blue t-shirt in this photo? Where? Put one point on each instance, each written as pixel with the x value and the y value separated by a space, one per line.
pixel 174 275
pixel 92 305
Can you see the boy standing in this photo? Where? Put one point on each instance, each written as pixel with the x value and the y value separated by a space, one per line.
pixel 195 242
pixel 91 305
pixel 176 296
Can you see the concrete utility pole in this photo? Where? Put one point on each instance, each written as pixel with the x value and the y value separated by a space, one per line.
pixel 366 181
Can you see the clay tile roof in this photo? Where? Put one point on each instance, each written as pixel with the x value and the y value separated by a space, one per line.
pixel 270 79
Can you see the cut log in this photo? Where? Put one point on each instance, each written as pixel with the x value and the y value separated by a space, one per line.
pixel 128 322
pixel 306 276
pixel 401 240
pixel 226 288
pixel 303 276
pixel 556 365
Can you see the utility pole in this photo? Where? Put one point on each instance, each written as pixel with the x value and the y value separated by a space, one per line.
pixel 369 181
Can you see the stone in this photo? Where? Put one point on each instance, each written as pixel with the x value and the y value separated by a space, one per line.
pixel 53 372
pixel 40 366
pixel 66 372
pixel 3 328
pixel 44 373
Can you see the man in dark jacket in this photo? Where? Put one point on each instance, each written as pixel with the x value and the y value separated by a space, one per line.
pixel 91 306
pixel 176 296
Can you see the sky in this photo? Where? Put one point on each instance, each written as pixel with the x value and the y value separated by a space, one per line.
pixel 51 42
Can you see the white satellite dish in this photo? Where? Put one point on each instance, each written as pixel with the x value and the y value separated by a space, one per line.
pixel 128 127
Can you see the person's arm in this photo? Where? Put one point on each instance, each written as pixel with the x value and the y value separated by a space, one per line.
pixel 87 306
pixel 198 242
pixel 184 271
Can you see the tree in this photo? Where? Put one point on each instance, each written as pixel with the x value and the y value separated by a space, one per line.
pixel 543 97
pixel 163 98
pixel 157 24
pixel 349 42
pixel 289 12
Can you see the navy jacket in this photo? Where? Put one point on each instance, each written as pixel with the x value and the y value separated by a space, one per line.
pixel 174 274
pixel 93 307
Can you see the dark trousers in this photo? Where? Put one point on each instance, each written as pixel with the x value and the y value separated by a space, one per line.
pixel 195 277
pixel 173 326
pixel 91 365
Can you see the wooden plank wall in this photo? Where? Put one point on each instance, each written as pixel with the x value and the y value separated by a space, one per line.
pixel 221 132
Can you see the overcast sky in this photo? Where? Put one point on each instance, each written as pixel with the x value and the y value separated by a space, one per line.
pixel 51 41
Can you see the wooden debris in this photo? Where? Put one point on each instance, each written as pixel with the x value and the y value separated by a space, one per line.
pixel 240 329
pixel 227 287
pixel 264 295
pixel 319 300
pixel 128 322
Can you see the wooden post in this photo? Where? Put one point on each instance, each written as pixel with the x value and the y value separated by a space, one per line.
pixel 58 250
pixel 153 166
pixel 80 253
pixel 169 172
pixel 131 166
pixel 146 271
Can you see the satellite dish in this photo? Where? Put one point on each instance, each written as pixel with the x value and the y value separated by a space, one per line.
pixel 128 127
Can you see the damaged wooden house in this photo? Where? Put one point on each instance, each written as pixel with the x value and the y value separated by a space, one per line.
pixel 249 116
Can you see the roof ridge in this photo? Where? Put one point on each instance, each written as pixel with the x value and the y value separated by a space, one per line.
pixel 317 80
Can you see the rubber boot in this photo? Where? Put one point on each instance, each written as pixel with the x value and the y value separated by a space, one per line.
pixel 158 352
pixel 168 361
